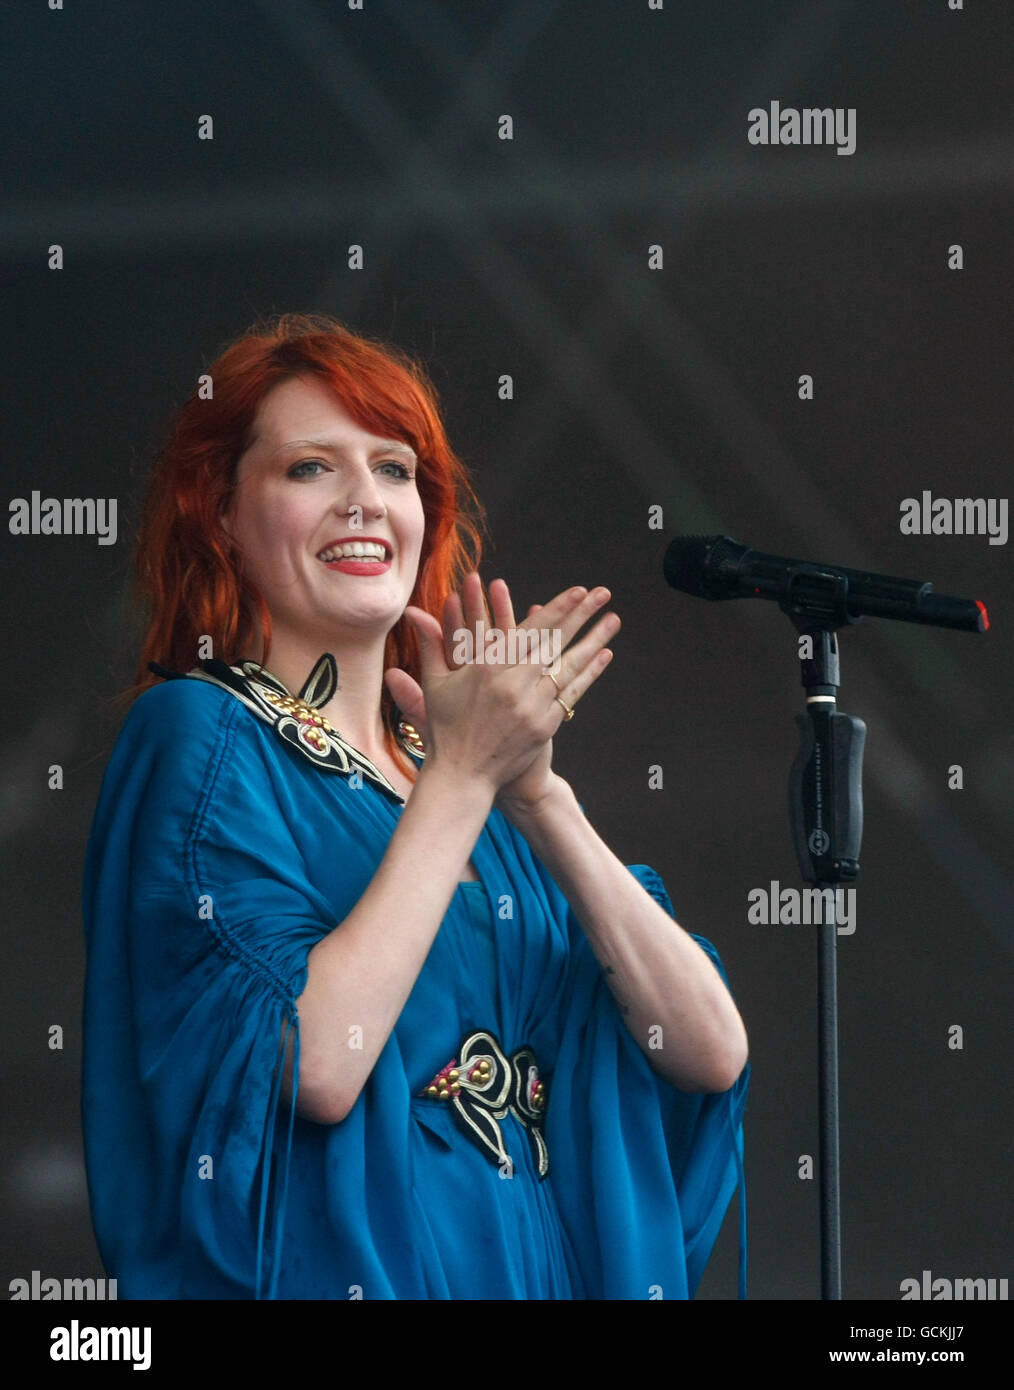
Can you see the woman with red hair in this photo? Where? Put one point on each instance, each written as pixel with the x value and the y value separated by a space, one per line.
pixel 371 1011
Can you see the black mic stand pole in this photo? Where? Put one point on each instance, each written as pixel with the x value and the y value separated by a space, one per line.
pixel 826 820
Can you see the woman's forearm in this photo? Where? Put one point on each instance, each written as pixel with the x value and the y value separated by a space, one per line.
pixel 672 999
pixel 361 974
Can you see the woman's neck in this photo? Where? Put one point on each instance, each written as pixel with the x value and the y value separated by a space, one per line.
pixel 354 709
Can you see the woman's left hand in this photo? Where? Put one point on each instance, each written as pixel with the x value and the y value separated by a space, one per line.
pixel 524 793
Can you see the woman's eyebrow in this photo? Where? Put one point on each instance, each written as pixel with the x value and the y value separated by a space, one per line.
pixel 386 446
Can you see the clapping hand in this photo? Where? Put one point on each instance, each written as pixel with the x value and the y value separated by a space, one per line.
pixel 533 693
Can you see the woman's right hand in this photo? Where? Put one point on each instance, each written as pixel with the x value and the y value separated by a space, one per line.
pixel 490 721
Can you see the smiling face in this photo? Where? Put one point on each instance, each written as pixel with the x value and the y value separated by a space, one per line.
pixel 292 501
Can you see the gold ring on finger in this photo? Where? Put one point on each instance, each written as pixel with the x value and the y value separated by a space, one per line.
pixel 570 712
pixel 553 679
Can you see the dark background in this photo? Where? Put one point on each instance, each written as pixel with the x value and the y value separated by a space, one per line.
pixel 633 387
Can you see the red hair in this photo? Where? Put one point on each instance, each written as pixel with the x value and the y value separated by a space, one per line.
pixel 186 565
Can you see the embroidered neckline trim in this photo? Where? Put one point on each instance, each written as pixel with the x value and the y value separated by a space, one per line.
pixel 296 718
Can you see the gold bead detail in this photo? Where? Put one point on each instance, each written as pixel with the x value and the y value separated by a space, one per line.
pixel 290 704
pixel 411 735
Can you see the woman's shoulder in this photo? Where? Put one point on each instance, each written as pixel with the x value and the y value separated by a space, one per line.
pixel 180 709
pixel 187 743
pixel 186 727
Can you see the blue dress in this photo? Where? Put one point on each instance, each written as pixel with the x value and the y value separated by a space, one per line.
pixel 233 831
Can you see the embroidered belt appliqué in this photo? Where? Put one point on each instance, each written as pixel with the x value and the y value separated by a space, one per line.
pixel 483 1085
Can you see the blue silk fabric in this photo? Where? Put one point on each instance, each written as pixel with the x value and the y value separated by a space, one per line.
pixel 218 858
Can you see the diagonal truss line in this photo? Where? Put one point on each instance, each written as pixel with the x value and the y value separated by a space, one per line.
pixel 793 48
pixel 521 303
pixel 797 43
pixel 508 46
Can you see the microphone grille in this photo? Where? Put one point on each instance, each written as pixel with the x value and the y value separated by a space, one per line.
pixel 687 563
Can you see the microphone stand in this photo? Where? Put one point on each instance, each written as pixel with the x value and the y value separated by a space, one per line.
pixel 825 785
pixel 826 821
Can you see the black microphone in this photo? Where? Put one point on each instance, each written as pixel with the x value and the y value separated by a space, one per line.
pixel 716 567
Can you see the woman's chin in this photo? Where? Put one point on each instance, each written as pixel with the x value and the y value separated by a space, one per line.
pixel 361 620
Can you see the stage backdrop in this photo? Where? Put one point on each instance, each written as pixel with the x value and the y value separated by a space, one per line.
pixel 675 267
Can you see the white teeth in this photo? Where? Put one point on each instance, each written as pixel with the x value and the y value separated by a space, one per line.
pixel 354 550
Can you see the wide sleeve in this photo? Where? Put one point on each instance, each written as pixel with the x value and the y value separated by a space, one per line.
pixel 198 919
pixel 704 1135
pixel 654 1167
